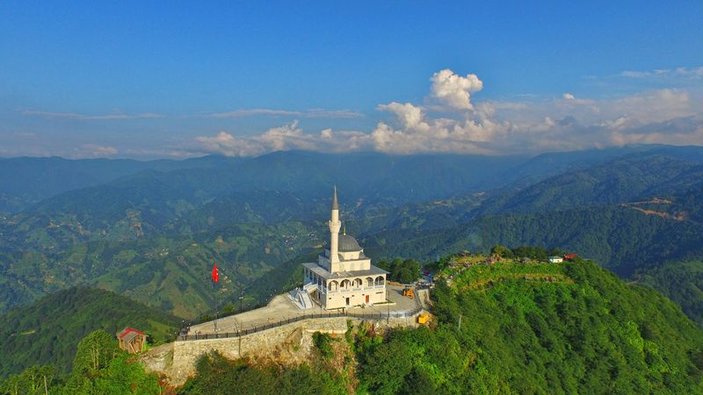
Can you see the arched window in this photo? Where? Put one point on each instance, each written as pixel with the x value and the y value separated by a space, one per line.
pixel 345 284
pixel 357 283
pixel 379 280
pixel 369 282
pixel 332 286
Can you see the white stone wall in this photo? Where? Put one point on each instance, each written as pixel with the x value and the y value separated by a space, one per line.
pixel 177 360
pixel 356 297
pixel 353 265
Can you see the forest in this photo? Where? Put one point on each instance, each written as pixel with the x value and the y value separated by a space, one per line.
pixel 511 325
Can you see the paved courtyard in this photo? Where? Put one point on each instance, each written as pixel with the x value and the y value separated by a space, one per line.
pixel 282 308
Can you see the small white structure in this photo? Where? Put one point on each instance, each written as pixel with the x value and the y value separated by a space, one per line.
pixel 343 276
pixel 556 259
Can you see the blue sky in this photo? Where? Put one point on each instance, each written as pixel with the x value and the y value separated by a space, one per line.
pixel 174 79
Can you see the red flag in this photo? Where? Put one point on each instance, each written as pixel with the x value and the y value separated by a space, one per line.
pixel 215 273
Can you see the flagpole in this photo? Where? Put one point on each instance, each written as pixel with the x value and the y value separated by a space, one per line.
pixel 214 287
pixel 215 275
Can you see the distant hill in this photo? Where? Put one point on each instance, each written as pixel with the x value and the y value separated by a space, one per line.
pixel 629 213
pixel 25 181
pixel 48 330
pixel 154 233
pixel 625 179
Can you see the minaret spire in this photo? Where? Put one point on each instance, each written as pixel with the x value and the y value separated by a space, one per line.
pixel 334 224
pixel 335 203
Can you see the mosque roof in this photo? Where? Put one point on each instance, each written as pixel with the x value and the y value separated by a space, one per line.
pixel 348 243
pixel 322 272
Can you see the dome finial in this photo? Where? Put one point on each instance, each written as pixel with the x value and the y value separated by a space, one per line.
pixel 344 228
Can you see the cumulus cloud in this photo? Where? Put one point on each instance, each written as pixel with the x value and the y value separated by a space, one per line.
pixel 417 133
pixel 568 122
pixel 409 115
pixel 454 90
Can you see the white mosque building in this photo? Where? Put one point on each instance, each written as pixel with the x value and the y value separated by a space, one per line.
pixel 342 276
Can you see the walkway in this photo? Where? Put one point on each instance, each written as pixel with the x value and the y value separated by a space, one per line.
pixel 282 310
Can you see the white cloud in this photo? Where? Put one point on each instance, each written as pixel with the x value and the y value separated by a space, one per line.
pixel 665 116
pixel 284 138
pixel 226 144
pixel 86 117
pixel 678 72
pixel 419 134
pixel 454 90
pixel 94 151
pixel 409 115
pixel 310 113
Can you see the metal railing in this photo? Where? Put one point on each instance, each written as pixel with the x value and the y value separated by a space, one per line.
pixel 290 320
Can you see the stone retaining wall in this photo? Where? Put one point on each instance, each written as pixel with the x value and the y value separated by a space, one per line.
pixel 289 343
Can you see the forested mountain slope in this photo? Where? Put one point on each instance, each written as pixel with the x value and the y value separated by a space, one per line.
pixel 48 330
pixel 626 179
pixel 682 282
pixel 624 237
pixel 154 234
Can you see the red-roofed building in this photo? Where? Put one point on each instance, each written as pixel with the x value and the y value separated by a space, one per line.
pixel 570 257
pixel 131 340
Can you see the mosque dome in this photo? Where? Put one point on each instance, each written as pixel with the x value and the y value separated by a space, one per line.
pixel 348 243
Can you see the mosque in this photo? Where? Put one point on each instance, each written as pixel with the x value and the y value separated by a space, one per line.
pixel 342 276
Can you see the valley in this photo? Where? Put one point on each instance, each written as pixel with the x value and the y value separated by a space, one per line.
pixel 152 235
pixel 147 242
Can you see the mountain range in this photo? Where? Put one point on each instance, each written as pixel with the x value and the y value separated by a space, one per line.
pixel 152 230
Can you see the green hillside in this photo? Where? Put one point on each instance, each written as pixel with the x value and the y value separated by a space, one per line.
pixel 532 328
pixel 682 282
pixel 504 327
pixel 500 326
pixel 171 273
pixel 47 331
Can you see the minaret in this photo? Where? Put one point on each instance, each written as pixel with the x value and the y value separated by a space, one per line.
pixel 335 224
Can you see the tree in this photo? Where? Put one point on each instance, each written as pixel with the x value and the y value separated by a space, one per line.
pixel 37 379
pixel 404 271
pixel 502 251
pixel 95 352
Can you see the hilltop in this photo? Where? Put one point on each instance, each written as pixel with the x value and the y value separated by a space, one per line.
pixel 503 325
